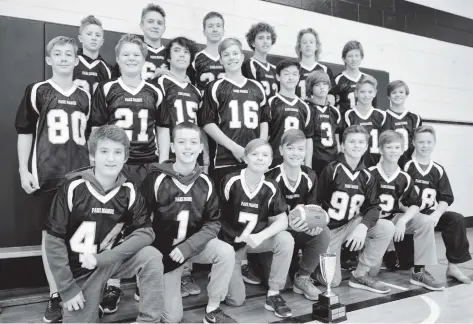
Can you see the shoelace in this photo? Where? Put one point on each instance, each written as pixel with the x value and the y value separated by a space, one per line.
pixel 278 300
pixel 248 270
pixel 54 300
pixel 369 280
pixel 112 292
pixel 427 274
pixel 219 314
pixel 187 279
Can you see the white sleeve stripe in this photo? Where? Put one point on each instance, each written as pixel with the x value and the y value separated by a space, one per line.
pixel 107 86
pixel 339 119
pixel 253 68
pixel 406 166
pixel 309 182
pixel 132 193
pixel 206 178
pixel 106 68
pixel 157 183
pixel 214 90
pixel 439 168
pixel 33 96
pixel 228 186
pixel 263 102
pixel 70 192
pixel 273 189
pixel 408 178
pixel 307 121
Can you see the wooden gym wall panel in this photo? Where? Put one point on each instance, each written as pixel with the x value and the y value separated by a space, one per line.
pixel 21 63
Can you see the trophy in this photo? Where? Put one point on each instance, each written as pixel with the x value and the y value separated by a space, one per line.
pixel 328 309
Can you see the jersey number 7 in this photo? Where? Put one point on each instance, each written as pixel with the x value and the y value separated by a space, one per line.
pixel 249 218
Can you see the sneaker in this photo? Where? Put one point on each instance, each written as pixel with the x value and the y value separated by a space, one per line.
pixel 137 294
pixel 277 304
pixel 53 313
pixel 189 286
pixel 305 286
pixel 367 282
pixel 424 279
pixel 218 316
pixel 111 299
pixel 101 313
pixel 249 276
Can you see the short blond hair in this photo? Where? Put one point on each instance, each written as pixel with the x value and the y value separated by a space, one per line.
pixel 301 33
pixel 390 136
pixel 89 20
pixel 254 144
pixel 367 79
pixel 425 129
pixel 355 129
pixel 133 39
pixel 61 40
pixel 227 42
pixel 151 7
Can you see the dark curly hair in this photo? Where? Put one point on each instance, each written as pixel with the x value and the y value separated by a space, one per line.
pixel 259 28
pixel 184 42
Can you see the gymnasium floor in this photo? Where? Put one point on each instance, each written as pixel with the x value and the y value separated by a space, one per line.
pixel 405 303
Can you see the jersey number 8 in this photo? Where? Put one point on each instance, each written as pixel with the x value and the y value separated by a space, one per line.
pixel 342 201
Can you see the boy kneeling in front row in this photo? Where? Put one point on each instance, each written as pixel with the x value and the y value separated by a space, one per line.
pixel 87 216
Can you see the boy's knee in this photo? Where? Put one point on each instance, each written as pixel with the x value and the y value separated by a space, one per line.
pixel 172 317
pixel 284 241
pixel 235 302
pixel 150 255
pixel 225 252
pixel 385 227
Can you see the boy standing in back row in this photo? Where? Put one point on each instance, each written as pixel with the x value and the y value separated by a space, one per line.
pixel 51 123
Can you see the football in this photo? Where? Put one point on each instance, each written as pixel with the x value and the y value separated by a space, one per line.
pixel 314 215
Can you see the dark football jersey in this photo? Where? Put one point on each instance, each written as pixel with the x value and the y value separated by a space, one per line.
pixel 90 222
pixel 399 187
pixel 238 110
pixel 206 68
pixel 405 123
pixel 180 102
pixel 154 60
pixel 245 212
pixel 58 121
pixel 89 72
pixel 263 73
pixel 373 121
pixel 179 210
pixel 327 122
pixel 431 184
pixel 134 110
pixel 344 91
pixel 286 114
pixel 305 71
pixel 344 194
pixel 303 192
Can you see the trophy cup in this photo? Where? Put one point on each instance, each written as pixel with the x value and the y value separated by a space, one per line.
pixel 328 309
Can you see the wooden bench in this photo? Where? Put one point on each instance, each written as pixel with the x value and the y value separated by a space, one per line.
pixel 20 252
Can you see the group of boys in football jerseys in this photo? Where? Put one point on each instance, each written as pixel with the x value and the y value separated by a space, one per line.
pixel 175 156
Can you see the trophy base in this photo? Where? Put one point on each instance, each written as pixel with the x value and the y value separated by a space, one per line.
pixel 329 314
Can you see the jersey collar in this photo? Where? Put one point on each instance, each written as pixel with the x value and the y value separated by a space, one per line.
pixel 294 101
pixel 181 85
pixel 236 84
pixel 396 115
pixel 385 176
pixel 213 58
pixel 90 65
pixel 245 187
pixel 133 92
pixel 310 68
pixel 357 112
pixel 351 79
pixel 58 88
pixel 266 68
pixel 155 50
pixel 419 168
pixel 287 182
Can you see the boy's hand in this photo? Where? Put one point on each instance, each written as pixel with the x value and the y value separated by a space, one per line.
pixel 400 230
pixel 75 303
pixel 254 240
pixel 357 238
pixel 176 255
pixel 314 231
pixel 297 224
pixel 238 152
pixel 28 182
pixel 89 261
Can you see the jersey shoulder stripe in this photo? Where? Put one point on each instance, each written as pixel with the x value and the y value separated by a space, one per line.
pixel 408 179
pixel 309 181
pixel 130 186
pixel 209 183
pixel 228 186
pixel 70 192
pixel 337 78
pixel 34 91
pixel 270 100
pixel 337 111
pixel 306 106
pixel 261 89
pixel 273 189
pixel 108 85
pixel 157 183
pixel 215 89
pixel 109 73
pixel 439 168
pixel 408 164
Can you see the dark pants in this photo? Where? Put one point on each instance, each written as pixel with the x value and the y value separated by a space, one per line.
pixel 452 226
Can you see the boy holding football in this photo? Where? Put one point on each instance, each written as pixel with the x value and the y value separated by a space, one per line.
pixel 261 37
pixel 84 225
pixel 436 195
pixel 254 220
pixel 298 184
pixel 92 68
pixel 347 191
pixel 400 203
pixel 54 114
pixel 186 212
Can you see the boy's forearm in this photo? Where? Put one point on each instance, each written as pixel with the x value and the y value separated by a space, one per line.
pixel 410 213
pixel 277 225
pixel 206 152
pixel 164 140
pixel 24 149
pixel 309 150
pixel 263 131
pixel 217 134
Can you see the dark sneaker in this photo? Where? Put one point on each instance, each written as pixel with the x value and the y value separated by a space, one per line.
pixel 218 316
pixel 277 304
pixel 53 313
pixel 101 313
pixel 367 282
pixel 305 286
pixel 111 299
pixel 137 294
pixel 249 276
pixel 424 279
pixel 189 287
pixel 348 259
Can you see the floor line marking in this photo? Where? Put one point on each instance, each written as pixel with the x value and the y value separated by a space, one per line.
pixel 393 286
pixel 434 310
